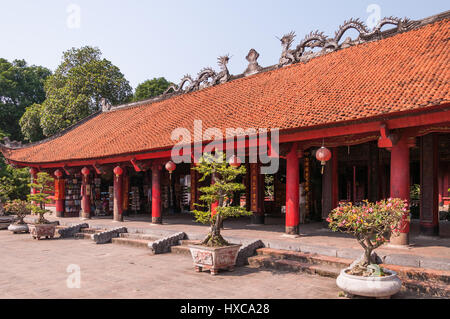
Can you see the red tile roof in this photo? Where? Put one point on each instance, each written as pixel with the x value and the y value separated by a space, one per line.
pixel 404 72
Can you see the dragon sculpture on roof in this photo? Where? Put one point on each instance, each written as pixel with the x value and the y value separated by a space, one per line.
pixel 205 78
pixel 318 39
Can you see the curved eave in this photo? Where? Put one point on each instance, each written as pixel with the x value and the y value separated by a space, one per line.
pixel 437 114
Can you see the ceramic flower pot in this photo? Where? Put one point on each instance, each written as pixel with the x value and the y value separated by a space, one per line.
pixel 42 230
pixel 18 228
pixel 214 258
pixel 379 287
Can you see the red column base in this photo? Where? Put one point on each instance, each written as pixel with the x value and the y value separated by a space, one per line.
pixel 401 239
pixel 156 220
pixel 292 230
pixel 85 215
pixel 118 218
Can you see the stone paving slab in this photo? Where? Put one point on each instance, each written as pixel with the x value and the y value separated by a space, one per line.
pixel 39 269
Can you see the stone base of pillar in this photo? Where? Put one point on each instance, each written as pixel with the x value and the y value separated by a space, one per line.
pixel 85 215
pixel 257 219
pixel 292 230
pixel 429 230
pixel 400 240
pixel 118 218
pixel 59 214
pixel 156 220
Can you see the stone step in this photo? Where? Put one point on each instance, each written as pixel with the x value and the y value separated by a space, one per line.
pixel 137 243
pixel 139 236
pixel 82 236
pixel 91 230
pixel 186 242
pixel 418 280
pixel 181 250
pixel 305 257
pixel 269 262
pixel 411 273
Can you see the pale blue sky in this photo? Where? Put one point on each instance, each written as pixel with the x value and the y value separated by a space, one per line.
pixel 147 39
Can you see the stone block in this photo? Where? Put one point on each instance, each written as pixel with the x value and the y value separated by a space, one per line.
pixel 106 236
pixel 71 230
pixel 163 245
pixel 248 250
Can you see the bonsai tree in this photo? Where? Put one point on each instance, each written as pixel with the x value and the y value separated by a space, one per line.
pixel 19 208
pixel 217 197
pixel 43 185
pixel 372 224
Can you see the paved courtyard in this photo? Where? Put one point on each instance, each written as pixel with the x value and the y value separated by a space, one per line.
pixel 39 269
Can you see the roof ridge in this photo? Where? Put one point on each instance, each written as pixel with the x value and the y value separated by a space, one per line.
pixel 402 26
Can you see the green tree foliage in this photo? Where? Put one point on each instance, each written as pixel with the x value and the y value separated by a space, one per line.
pixel 150 88
pixel 30 123
pixel 220 192
pixel 13 182
pixel 44 187
pixel 20 86
pixel 76 88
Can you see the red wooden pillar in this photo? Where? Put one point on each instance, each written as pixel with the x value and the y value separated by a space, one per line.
pixel 156 194
pixel 256 194
pixel 216 203
pixel 429 192
pixel 118 194
pixel 85 194
pixel 292 191
pixel 59 193
pixel 400 183
pixel 125 191
pixel 33 177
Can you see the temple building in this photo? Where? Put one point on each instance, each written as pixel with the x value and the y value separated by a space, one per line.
pixel 375 111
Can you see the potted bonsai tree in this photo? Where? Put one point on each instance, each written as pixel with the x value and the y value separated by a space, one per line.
pixel 43 185
pixel 21 209
pixel 215 252
pixel 372 224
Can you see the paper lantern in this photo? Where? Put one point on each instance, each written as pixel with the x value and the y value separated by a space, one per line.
pixel 85 171
pixel 234 161
pixel 323 155
pixel 58 173
pixel 170 166
pixel 118 171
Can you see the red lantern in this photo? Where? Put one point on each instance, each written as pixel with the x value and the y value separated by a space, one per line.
pixel 85 171
pixel 58 173
pixel 170 166
pixel 323 155
pixel 118 171
pixel 234 161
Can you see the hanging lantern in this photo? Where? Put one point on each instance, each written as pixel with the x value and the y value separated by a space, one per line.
pixel 58 173
pixel 85 171
pixel 118 171
pixel 170 166
pixel 234 161
pixel 323 155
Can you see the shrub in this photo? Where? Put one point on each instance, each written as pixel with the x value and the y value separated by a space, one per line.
pixel 372 224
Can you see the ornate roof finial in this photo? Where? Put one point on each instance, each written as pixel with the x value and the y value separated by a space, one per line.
pixel 253 66
pixel 106 106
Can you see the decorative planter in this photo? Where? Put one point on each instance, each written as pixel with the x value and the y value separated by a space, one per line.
pixel 42 230
pixel 379 287
pixel 18 228
pixel 214 258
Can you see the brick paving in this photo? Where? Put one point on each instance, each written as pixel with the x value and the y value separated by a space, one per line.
pixel 38 269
